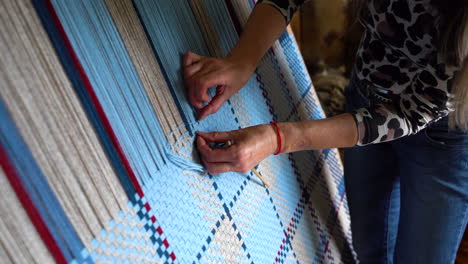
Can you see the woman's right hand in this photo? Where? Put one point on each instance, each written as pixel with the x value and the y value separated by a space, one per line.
pixel 251 146
pixel 201 73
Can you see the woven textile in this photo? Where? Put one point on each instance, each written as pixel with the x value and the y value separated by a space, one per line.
pixel 93 107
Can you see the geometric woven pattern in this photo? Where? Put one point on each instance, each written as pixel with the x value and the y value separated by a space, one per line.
pixel 92 103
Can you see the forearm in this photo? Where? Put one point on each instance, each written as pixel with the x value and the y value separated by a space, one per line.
pixel 334 132
pixel 253 144
pixel 263 28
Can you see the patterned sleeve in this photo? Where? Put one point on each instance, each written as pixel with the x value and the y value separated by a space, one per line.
pixel 286 7
pixel 424 101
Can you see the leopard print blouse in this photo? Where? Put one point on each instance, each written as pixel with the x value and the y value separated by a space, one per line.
pixel 397 57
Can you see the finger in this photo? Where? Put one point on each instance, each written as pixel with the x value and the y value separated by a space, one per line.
pixel 191 69
pixel 198 91
pixel 214 136
pixel 216 103
pixel 215 155
pixel 202 145
pixel 208 68
pixel 202 82
pixel 218 167
pixel 196 103
pixel 190 58
pixel 192 95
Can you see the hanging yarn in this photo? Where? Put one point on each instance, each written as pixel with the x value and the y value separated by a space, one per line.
pixel 187 158
pixel 183 163
pixel 49 139
pixel 98 161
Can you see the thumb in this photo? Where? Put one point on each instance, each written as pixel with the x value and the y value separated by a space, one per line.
pixel 214 136
pixel 201 143
pixel 215 103
pixel 198 86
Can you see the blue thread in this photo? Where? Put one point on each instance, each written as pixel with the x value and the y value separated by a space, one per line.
pixel 184 164
pixel 73 75
pixel 166 150
pixel 109 68
pixel 38 189
pixel 164 73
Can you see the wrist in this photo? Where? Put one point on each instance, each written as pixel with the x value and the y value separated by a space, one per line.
pixel 293 135
pixel 245 64
pixel 279 138
pixel 287 137
pixel 271 138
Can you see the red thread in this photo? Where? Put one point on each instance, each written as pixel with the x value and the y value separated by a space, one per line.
pixel 159 230
pixel 173 256
pixel 166 244
pixel 278 134
pixel 94 98
pixel 100 110
pixel 30 208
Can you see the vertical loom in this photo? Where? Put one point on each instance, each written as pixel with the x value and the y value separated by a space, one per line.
pixel 93 107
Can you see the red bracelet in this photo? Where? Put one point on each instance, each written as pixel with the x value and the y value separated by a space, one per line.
pixel 278 134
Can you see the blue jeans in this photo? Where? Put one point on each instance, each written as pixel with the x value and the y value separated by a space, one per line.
pixel 408 198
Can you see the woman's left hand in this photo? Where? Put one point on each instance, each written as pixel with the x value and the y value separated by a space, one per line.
pixel 251 146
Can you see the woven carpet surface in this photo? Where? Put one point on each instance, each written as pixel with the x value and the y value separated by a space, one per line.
pixel 93 111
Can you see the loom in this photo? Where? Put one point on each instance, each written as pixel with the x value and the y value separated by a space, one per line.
pixel 93 107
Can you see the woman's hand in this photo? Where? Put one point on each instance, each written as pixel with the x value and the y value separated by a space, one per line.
pixel 251 146
pixel 254 144
pixel 201 73
pixel 230 74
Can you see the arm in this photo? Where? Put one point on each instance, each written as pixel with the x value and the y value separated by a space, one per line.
pixel 266 23
pixel 263 28
pixel 334 132
pixel 253 144
pixel 231 73
pixel 424 101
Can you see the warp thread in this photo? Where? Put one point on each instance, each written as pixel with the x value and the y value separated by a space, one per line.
pixel 183 140
pixel 183 163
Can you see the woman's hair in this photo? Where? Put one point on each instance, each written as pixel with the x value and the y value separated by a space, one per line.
pixel 453 46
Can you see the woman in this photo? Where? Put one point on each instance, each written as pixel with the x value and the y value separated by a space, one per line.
pixel 406 172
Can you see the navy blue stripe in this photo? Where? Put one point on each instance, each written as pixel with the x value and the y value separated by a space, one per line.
pixel 78 84
pixel 38 188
